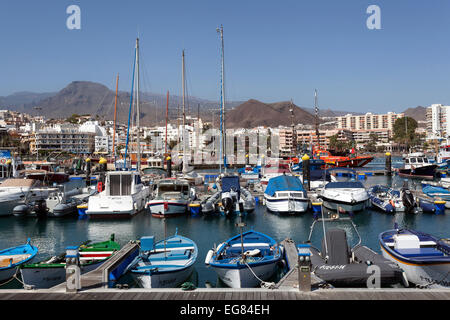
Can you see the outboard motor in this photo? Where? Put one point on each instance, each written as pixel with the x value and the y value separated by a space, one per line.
pixel 408 200
pixel 40 208
pixel 227 203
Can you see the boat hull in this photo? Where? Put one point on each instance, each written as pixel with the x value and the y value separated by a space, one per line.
pixel 344 206
pixel 156 208
pixel 425 172
pixel 429 274
pixel 115 207
pixel 243 277
pixel 286 206
pixel 47 277
pixel 163 279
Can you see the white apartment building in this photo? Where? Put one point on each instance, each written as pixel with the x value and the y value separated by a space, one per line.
pixel 369 121
pixel 64 137
pixel 437 125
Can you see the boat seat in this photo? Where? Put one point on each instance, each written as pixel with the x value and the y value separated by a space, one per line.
pixel 173 255
pixel 420 252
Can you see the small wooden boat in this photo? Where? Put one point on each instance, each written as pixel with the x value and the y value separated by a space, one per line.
pixel 424 257
pixel 14 257
pixel 245 260
pixel 164 264
pixel 51 272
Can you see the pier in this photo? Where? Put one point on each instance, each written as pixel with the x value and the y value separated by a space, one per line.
pixel 95 286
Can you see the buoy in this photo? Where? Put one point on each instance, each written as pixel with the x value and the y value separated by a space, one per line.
pixel 440 206
pixel 102 160
pixel 305 157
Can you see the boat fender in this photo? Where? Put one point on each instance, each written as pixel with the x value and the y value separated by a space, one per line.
pixel 405 280
pixel 220 246
pixel 252 253
pixel 209 256
pixel 100 186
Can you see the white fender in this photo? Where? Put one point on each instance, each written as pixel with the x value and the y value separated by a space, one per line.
pixel 209 256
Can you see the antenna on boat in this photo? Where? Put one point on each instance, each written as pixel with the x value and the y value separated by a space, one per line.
pixel 222 102
pixel 184 170
pixel 316 111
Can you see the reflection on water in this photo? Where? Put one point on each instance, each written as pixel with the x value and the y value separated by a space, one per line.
pixel 53 235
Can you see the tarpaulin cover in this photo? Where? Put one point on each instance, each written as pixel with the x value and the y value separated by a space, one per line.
pixel 229 182
pixel 283 183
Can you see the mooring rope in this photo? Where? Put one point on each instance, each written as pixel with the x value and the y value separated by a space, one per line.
pixel 268 285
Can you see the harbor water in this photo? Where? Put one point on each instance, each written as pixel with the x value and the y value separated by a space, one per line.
pixel 53 235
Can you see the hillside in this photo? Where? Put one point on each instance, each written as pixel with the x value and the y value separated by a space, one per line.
pixel 418 113
pixel 253 113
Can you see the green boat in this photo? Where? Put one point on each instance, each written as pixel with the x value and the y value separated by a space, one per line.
pixel 51 272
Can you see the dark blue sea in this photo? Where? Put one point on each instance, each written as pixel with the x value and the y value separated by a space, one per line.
pixel 53 235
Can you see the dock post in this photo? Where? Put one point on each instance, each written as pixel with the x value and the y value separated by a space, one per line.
pixel 73 272
pixel 88 172
pixel 8 168
pixel 306 171
pixel 304 267
pixel 169 166
pixel 388 169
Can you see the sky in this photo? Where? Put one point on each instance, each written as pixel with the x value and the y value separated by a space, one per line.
pixel 274 50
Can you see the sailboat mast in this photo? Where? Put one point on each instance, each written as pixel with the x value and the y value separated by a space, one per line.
pixel 138 165
pixel 316 110
pixel 222 100
pixel 184 114
pixel 167 118
pixel 115 118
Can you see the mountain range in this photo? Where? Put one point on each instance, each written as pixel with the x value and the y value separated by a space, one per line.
pixel 85 97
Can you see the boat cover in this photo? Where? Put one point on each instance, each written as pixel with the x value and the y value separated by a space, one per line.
pixel 344 185
pixel 430 190
pixel 229 182
pixel 283 183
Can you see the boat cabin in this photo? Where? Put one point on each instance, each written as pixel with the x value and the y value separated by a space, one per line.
pixel 122 183
pixel 171 188
pixel 416 159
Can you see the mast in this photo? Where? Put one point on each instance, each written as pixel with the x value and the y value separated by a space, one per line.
pixel 167 118
pixel 115 117
pixel 138 165
pixel 222 100
pixel 316 110
pixel 294 134
pixel 129 112
pixel 184 114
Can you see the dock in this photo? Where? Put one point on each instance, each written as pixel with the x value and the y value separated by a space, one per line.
pixel 96 285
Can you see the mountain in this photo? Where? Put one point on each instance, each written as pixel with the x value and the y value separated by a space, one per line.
pixel 418 113
pixel 253 113
pixel 85 97
pixel 331 113
pixel 19 99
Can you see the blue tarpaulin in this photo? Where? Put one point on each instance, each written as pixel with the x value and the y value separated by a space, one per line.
pixel 283 183
pixel 229 182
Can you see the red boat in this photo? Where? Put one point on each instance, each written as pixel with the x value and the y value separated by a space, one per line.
pixel 44 171
pixel 340 161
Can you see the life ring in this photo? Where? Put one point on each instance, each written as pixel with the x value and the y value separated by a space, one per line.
pixel 3 161
pixel 100 187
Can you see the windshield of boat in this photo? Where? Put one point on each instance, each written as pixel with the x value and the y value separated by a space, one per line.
pixel 175 188
pixel 344 184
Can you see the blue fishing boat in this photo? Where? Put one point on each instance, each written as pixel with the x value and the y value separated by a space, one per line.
pixel 164 264
pixel 438 193
pixel 12 258
pixel 424 258
pixel 245 260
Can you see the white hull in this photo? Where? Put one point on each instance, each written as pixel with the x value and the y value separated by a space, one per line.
pixel 244 278
pixel 163 279
pixel 286 205
pixel 425 275
pixel 101 205
pixel 156 207
pixel 43 278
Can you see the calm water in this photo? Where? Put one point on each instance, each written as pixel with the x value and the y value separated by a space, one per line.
pixel 53 235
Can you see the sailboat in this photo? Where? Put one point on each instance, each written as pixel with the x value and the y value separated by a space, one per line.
pixel 123 194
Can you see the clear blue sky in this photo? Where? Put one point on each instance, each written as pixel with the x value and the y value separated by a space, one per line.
pixel 274 50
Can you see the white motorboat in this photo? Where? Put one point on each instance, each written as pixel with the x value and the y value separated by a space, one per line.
pixel 14 192
pixel 286 194
pixel 170 197
pixel 345 196
pixel 123 195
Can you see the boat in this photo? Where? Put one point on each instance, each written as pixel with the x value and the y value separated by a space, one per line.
pixel 417 165
pixel 51 272
pixel 391 200
pixel 170 197
pixel 165 264
pixel 314 164
pixel 14 192
pixel 122 196
pixel 343 266
pixel 442 183
pixel 12 258
pixel 424 258
pixel 443 155
pixel 45 171
pixel 233 198
pixel 341 161
pixel 245 260
pixel 345 196
pixel 274 169
pixel 438 193
pixel 58 204
pixel 286 194
pixel 151 174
